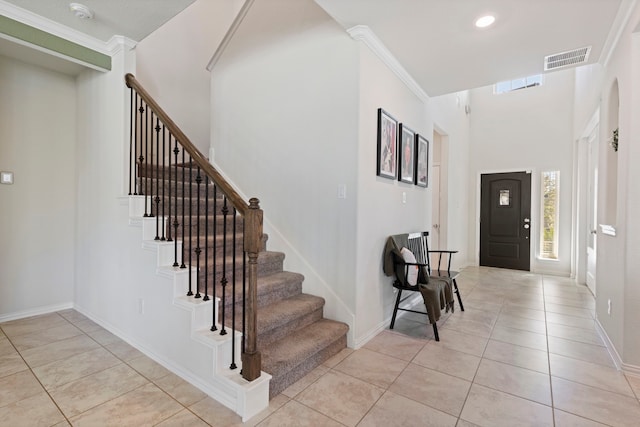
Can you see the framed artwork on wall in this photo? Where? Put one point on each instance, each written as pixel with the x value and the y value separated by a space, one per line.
pixel 407 154
pixel 422 161
pixel 387 145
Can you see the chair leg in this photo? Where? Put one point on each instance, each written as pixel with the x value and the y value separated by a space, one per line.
pixel 455 285
pixel 435 331
pixel 395 309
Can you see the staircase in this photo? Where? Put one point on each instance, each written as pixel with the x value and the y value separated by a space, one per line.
pixel 293 337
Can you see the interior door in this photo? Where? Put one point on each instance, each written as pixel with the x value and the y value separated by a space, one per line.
pixel 505 220
pixel 435 207
pixel 592 218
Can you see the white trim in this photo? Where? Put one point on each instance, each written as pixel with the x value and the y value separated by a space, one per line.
pixel 615 357
pixel 51 52
pixel 29 18
pixel 617 28
pixel 35 311
pixel 607 229
pixel 230 33
pixel 118 43
pixel 364 34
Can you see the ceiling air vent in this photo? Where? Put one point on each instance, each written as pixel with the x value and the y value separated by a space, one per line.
pixel 565 59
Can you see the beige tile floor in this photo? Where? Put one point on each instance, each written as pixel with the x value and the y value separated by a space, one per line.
pixel 524 353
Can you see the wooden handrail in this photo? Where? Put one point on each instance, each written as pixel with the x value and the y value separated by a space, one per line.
pixel 202 162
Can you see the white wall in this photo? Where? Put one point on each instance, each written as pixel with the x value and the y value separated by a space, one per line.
pixel 37 144
pixel 284 100
pixel 172 61
pixel 295 103
pixel 452 120
pixel 529 129
pixel 617 256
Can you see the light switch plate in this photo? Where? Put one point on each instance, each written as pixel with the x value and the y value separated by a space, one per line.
pixel 6 177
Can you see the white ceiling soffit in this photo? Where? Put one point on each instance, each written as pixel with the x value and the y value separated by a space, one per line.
pixel 439 46
pixel 134 19
pixel 567 59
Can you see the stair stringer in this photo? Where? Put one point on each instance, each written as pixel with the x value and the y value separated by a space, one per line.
pixel 213 376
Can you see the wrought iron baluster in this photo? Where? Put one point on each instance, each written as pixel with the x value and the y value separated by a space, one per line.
pixel 135 150
pixel 176 151
pixel 206 246
pixel 156 175
pixel 223 281
pixel 233 291
pixel 147 164
pixel 168 199
pixel 131 138
pixel 164 182
pixel 215 257
pixel 198 250
pixel 183 209
pixel 190 293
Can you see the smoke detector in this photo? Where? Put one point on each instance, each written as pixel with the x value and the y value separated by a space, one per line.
pixel 81 11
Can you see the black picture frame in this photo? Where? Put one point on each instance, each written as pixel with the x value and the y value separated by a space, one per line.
pixel 387 159
pixel 422 161
pixel 406 154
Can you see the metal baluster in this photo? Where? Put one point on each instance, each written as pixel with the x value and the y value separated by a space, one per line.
pixel 244 292
pixel 215 256
pixel 169 237
pixel 223 281
pixel 206 246
pixel 156 175
pixel 143 179
pixel 233 292
pixel 135 151
pixel 176 151
pixel 190 293
pixel 198 250
pixel 147 166
pixel 164 182
pixel 131 138
pixel 183 209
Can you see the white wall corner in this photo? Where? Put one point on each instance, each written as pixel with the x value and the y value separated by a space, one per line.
pixel 619 25
pixel 364 34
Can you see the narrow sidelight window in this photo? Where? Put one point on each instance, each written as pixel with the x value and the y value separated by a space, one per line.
pixel 549 230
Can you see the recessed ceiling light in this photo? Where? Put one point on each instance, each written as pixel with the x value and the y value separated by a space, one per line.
pixel 485 21
pixel 81 11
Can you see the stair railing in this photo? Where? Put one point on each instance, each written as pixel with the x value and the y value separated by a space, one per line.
pixel 163 162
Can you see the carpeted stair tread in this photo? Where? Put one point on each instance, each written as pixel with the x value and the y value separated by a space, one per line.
pixel 284 355
pixel 271 288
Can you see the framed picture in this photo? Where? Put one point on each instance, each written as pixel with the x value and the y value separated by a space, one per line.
pixel 407 155
pixel 422 161
pixel 387 145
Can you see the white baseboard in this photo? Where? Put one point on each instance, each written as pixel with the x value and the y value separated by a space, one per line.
pixel 617 360
pixel 35 311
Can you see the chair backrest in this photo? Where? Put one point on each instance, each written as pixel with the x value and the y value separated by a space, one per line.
pixel 418 244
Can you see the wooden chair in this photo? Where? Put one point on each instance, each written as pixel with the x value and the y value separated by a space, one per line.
pixel 436 289
pixel 419 245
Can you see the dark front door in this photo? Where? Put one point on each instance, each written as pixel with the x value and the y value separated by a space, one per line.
pixel 505 220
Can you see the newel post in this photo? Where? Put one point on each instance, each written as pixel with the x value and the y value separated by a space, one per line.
pixel 251 359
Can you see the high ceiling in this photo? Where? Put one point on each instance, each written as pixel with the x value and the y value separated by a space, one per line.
pixel 437 43
pixel 434 40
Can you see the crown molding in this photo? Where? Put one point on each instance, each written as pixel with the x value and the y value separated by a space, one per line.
pixel 627 7
pixel 44 24
pixel 119 43
pixel 364 34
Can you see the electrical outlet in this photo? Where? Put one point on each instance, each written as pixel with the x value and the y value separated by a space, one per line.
pixel 140 306
pixel 404 197
pixel 609 307
pixel 342 191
